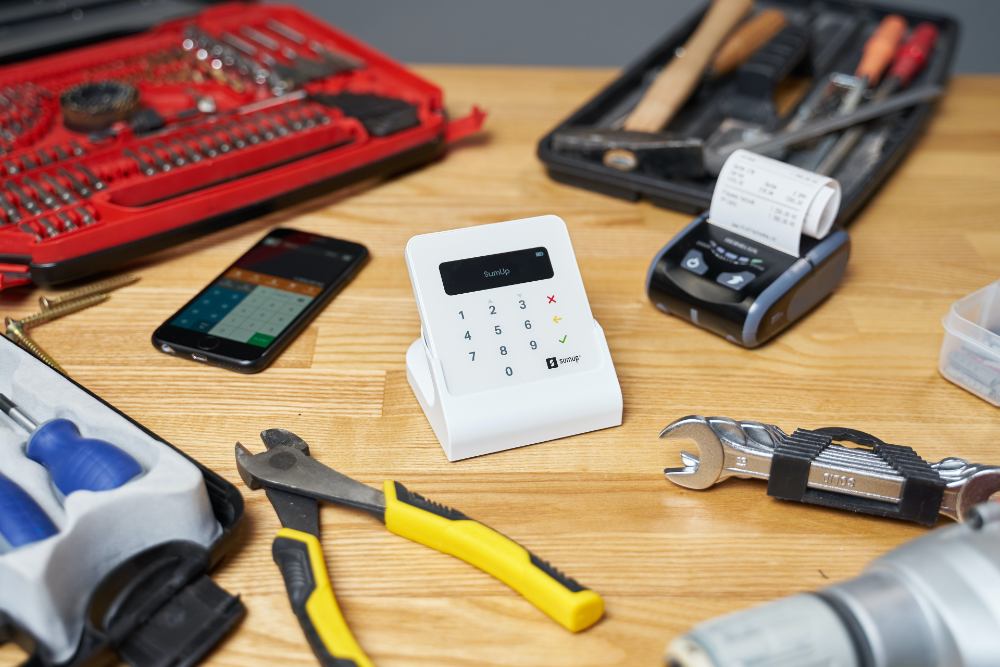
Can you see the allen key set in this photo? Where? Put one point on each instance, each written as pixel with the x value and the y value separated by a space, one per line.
pixel 117 149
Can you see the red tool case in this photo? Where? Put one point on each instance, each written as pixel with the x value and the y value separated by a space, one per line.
pixel 212 139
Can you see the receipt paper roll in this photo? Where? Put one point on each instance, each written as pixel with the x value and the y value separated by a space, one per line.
pixel 772 202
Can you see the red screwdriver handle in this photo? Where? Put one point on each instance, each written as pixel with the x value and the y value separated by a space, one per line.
pixel 914 53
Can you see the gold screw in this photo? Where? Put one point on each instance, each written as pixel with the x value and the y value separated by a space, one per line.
pixel 102 287
pixel 32 321
pixel 16 333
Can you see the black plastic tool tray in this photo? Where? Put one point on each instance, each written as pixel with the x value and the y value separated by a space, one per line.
pixel 168 581
pixel 694 195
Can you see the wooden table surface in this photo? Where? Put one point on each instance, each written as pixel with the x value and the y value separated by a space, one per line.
pixel 595 505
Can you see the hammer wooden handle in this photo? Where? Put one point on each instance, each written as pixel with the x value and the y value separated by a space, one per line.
pixel 746 39
pixel 674 84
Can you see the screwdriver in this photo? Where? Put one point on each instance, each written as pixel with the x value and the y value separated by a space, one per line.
pixel 910 58
pixel 22 521
pixel 75 463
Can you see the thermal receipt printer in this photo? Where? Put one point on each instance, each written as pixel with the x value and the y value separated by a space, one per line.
pixel 763 256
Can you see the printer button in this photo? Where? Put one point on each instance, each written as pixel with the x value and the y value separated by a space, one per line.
pixel 694 262
pixel 736 281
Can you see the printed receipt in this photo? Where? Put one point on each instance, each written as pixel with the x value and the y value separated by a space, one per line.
pixel 772 202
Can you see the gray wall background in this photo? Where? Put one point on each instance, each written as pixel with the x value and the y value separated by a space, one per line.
pixel 577 32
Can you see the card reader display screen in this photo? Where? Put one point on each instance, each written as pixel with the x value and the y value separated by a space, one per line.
pixel 462 276
pixel 264 291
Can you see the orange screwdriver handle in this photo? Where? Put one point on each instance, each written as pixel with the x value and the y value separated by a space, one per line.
pixel 914 54
pixel 880 48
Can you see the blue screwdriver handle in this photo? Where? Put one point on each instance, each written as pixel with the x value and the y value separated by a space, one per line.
pixel 22 521
pixel 76 463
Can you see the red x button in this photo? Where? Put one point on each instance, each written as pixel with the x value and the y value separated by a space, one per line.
pixel 552 298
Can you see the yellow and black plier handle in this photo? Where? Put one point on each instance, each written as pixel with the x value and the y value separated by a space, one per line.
pixel 300 558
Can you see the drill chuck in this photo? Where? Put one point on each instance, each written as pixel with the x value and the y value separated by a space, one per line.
pixel 933 601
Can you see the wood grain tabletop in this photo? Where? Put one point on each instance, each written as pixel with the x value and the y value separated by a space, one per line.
pixel 595 505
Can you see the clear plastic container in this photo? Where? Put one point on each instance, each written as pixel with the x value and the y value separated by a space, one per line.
pixel 970 353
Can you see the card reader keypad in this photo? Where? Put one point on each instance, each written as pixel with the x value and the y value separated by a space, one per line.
pixel 513 335
pixel 503 305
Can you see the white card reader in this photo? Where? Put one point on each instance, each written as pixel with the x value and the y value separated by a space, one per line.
pixel 510 354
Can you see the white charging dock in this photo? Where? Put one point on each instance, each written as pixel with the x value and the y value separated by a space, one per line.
pixel 510 354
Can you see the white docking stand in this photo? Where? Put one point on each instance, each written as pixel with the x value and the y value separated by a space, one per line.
pixel 510 353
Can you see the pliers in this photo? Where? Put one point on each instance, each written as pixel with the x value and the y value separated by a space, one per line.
pixel 295 483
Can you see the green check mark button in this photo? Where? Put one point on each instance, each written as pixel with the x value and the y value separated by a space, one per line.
pixel 563 339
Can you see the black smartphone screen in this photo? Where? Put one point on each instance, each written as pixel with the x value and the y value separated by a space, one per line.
pixel 259 300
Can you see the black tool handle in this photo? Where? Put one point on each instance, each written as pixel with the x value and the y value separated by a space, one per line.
pixel 300 559
pixel 920 499
pixel 757 79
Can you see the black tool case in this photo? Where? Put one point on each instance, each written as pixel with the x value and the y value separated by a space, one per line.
pixel 126 573
pixel 693 195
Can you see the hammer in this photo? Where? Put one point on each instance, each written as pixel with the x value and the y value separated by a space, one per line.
pixel 672 87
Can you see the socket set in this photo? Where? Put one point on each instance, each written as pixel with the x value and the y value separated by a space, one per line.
pixel 131 144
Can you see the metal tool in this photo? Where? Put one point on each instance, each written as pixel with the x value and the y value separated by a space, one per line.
pixel 85 215
pixel 74 462
pixel 26 201
pixel 41 193
pixel 335 62
pixel 95 181
pixel 17 330
pixel 101 287
pixel 660 152
pixel 295 482
pixel 184 147
pixel 51 230
pixel 75 183
pixel 869 150
pixel 809 466
pixel 202 142
pixel 68 223
pixel 175 157
pixel 911 57
pixel 9 209
pixel 19 336
pixel 59 189
pixel 96 105
pixel 929 603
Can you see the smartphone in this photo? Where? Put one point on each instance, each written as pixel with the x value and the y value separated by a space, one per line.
pixel 249 314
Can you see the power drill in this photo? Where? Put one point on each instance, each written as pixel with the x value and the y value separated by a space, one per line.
pixel 932 602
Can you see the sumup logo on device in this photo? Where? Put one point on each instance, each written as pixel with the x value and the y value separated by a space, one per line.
pixel 555 362
pixel 496 273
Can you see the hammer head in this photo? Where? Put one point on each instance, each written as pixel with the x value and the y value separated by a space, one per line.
pixel 657 153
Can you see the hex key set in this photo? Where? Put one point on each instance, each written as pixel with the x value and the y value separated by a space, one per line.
pixel 126 146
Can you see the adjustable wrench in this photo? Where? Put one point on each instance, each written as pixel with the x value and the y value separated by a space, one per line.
pixel 875 478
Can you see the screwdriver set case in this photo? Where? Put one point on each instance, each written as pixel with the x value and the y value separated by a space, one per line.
pixel 128 126
pixel 89 573
pixel 821 39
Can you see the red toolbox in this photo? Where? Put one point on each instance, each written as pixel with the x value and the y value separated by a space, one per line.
pixel 127 145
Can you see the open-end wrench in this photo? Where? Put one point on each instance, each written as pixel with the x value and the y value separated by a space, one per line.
pixel 872 473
